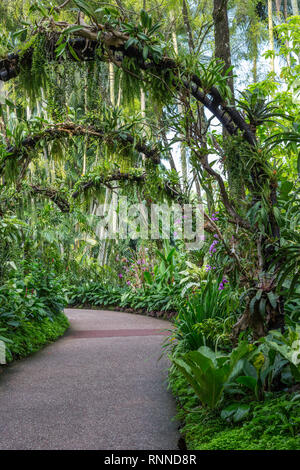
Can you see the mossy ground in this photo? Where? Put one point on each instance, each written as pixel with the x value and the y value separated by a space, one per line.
pixel 273 424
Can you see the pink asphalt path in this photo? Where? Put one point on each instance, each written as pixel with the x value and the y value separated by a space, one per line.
pixel 99 387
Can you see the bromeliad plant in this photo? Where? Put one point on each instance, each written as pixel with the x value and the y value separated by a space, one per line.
pixel 208 371
pixel 273 362
pixel 248 368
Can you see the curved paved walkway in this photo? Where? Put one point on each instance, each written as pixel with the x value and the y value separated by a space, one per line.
pixel 98 387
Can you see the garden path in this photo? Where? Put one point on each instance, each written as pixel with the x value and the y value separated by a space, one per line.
pixel 101 386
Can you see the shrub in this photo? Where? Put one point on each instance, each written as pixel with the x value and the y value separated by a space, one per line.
pixel 150 298
pixel 31 310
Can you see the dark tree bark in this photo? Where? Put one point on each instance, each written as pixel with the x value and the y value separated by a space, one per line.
pixel 222 37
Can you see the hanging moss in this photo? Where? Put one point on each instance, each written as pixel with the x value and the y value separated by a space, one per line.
pixel 131 81
pixel 57 90
pixel 235 165
pixel 34 74
pixel 160 87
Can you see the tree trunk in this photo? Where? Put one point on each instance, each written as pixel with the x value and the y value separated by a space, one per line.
pixel 143 112
pixel 288 57
pixel 85 113
pixel 111 75
pixel 222 37
pixel 254 69
pixel 285 7
pixel 183 160
pixel 271 33
pixel 278 5
pixel 295 7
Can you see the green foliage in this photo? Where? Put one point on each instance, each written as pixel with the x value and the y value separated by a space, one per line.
pixel 291 257
pixel 205 318
pixel 32 335
pixel 155 298
pixel 94 294
pixel 142 36
pixel 34 75
pixel 208 372
pixel 287 345
pixel 235 412
pixel 149 299
pixel 272 365
pixel 213 75
pixel 269 425
pixel 10 236
pixel 35 295
pixel 257 109
pixel 191 277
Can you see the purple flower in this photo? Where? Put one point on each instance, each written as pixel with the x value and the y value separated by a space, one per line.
pixel 208 268
pixel 216 235
pixel 128 283
pixel 224 281
pixel 120 275
pixel 212 248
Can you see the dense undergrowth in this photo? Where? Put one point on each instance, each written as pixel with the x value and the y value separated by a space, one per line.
pixel 272 424
pixel 32 335
pixel 150 301
pixel 31 310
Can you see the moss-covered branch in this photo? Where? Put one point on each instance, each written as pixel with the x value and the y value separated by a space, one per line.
pixel 69 129
pixel 53 195
pixel 104 42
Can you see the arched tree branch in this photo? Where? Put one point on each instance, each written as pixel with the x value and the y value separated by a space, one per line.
pixel 106 179
pixel 102 37
pixel 69 129
pixel 53 195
